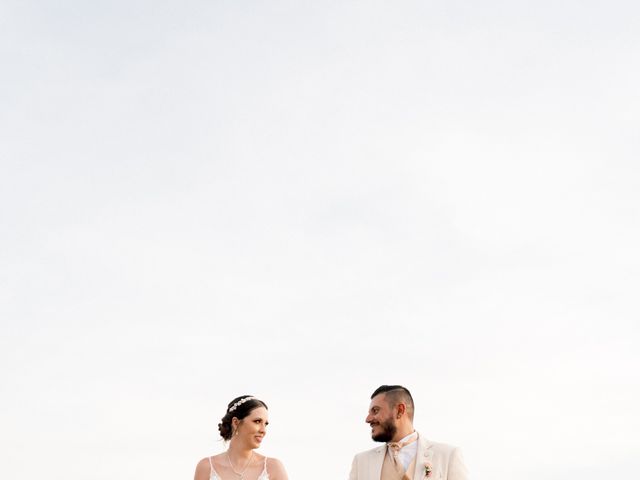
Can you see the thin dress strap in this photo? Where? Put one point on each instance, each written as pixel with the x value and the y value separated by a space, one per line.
pixel 264 475
pixel 213 474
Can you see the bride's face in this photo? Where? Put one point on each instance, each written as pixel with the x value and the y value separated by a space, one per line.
pixel 253 427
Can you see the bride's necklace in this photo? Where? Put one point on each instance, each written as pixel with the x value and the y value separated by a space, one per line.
pixel 239 474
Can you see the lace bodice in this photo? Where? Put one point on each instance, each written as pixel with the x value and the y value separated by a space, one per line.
pixel 214 475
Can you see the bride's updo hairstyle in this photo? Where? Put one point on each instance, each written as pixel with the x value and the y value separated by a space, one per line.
pixel 238 407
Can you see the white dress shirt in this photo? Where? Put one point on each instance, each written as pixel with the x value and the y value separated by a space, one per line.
pixel 408 452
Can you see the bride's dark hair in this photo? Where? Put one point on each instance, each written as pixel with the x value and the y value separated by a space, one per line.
pixel 240 411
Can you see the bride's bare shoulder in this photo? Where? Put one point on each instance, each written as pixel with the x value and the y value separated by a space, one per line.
pixel 276 469
pixel 203 470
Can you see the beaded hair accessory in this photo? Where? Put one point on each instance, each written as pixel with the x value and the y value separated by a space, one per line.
pixel 240 402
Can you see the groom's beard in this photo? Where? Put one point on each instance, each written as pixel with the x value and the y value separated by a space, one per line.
pixel 388 432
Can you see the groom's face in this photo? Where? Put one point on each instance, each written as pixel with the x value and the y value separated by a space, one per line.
pixel 381 419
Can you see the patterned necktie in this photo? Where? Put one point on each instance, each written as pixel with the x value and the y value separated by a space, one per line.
pixel 394 450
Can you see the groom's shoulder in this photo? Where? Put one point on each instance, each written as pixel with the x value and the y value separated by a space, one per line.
pixel 371 451
pixel 440 448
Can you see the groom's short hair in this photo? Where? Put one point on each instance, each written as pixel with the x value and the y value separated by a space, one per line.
pixel 396 394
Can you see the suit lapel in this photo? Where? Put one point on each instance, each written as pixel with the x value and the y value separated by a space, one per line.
pixel 375 465
pixel 424 456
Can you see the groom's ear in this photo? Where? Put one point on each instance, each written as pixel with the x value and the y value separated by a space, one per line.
pixel 401 409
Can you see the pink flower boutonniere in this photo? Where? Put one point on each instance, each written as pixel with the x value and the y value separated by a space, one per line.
pixel 427 470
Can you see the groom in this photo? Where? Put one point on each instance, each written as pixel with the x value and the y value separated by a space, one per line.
pixel 405 455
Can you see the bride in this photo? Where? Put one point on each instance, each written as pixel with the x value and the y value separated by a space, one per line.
pixel 244 427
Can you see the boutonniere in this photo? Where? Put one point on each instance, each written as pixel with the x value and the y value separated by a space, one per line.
pixel 428 469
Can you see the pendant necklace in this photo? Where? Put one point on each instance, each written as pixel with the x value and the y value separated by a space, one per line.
pixel 239 474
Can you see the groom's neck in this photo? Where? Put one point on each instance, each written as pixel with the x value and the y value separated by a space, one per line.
pixel 402 431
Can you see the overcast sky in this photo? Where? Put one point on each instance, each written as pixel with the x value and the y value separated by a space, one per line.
pixel 304 200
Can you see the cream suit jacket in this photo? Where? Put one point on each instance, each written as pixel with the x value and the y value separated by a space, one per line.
pixel 446 462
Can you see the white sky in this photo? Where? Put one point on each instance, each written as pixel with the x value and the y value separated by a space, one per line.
pixel 305 200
